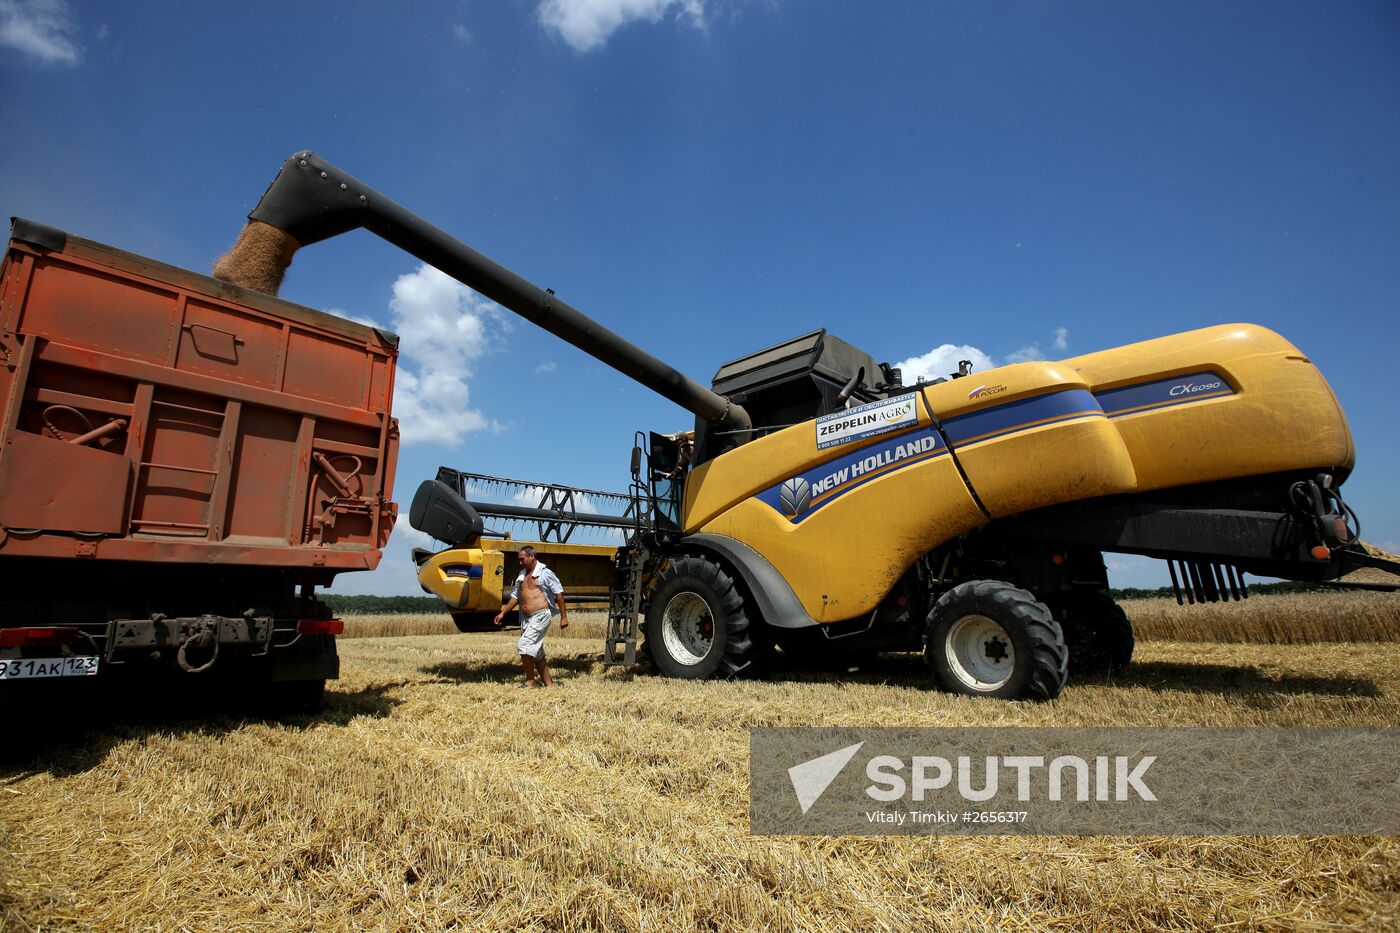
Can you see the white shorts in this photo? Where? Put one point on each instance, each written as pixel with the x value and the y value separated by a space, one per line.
pixel 532 631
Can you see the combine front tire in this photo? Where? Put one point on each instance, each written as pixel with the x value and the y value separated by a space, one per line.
pixel 1097 630
pixel 696 627
pixel 987 638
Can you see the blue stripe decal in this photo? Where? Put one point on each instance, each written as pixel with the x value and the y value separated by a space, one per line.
pixel 1019 416
pixel 474 572
pixel 1162 393
pixel 797 498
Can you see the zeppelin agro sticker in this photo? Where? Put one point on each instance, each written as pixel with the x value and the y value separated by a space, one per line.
pixel 854 424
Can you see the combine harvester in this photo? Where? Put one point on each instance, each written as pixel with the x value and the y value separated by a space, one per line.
pixel 829 506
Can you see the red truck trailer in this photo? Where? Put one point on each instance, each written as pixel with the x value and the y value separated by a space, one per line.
pixel 182 463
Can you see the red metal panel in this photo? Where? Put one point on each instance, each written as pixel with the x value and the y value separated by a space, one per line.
pixel 379 385
pixel 264 464
pixel 87 308
pixel 221 342
pixel 176 475
pixel 161 375
pixel 252 432
pixel 324 367
pixel 65 488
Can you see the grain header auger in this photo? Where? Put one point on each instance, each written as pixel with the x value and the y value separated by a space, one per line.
pixel 827 506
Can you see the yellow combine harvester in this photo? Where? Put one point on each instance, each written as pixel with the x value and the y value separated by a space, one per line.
pixel 829 506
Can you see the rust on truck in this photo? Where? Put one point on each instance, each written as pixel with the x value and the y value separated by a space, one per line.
pixel 200 448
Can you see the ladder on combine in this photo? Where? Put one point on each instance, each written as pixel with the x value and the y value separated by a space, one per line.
pixel 625 604
pixel 633 566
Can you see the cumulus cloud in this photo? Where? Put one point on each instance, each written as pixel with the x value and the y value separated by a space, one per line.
pixel 41 29
pixel 548 366
pixel 942 361
pixel 1026 354
pixel 357 318
pixel 586 25
pixel 444 327
pixel 531 496
pixel 396 575
pixel 412 536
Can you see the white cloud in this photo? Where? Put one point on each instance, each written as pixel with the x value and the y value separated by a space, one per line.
pixel 462 32
pixel 943 361
pixel 396 574
pixel 531 496
pixel 41 29
pixel 1026 354
pixel 584 504
pixel 587 24
pixel 548 366
pixel 358 319
pixel 443 328
pixel 1061 338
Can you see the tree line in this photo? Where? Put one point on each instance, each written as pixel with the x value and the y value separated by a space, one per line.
pixel 397 605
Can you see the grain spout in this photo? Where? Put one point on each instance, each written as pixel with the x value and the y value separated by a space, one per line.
pixel 258 258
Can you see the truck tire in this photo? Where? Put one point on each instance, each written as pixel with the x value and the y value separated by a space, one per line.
pixel 295 697
pixel 696 627
pixel 988 638
pixel 1097 631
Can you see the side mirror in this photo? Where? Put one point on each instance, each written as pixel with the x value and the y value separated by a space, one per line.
pixel 636 461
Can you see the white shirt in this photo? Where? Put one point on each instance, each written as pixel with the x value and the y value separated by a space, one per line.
pixel 549 585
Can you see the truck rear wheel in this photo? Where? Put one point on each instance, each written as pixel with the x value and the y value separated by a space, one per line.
pixel 696 627
pixel 295 697
pixel 1097 631
pixel 988 638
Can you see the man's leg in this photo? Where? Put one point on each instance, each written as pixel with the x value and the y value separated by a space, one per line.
pixel 544 669
pixel 529 668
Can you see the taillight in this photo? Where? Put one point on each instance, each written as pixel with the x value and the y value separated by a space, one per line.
pixel 320 627
pixel 21 637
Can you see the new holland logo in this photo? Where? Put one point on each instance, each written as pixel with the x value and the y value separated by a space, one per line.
pixel 795 496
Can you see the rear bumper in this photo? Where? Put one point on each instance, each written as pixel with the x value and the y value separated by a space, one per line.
pixel 254 648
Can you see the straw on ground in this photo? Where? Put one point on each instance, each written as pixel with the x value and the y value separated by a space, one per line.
pixel 432 794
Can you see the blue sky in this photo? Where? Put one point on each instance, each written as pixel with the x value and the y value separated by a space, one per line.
pixel 711 176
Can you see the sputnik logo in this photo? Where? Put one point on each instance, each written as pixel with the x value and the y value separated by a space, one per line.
pixel 811 778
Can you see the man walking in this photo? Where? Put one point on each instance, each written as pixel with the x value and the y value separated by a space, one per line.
pixel 540 595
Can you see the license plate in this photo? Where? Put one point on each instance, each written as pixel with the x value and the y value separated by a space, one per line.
pixel 23 668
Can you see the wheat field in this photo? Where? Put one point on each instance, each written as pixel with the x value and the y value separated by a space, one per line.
pixel 432 794
pixel 1295 619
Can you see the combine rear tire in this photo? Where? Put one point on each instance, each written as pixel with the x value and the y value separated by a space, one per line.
pixel 696 627
pixel 1097 630
pixel 988 638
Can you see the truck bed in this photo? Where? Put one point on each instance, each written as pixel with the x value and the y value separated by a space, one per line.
pixel 148 413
